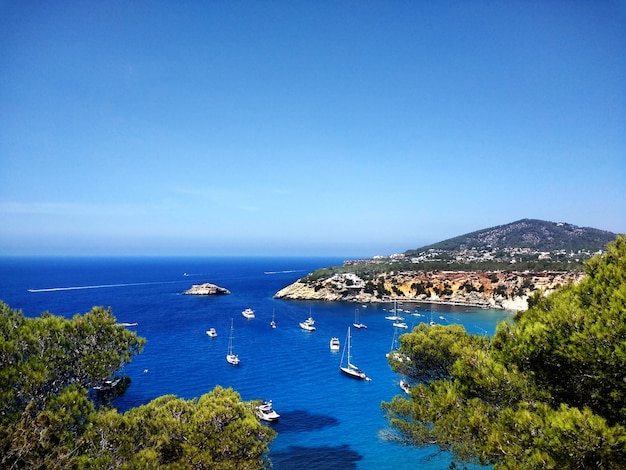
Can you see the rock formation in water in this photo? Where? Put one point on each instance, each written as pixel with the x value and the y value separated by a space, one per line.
pixel 206 289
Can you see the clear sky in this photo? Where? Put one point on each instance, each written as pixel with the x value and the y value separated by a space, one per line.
pixel 349 128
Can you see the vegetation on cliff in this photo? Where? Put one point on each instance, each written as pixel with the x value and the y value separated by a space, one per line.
pixel 49 367
pixel 548 391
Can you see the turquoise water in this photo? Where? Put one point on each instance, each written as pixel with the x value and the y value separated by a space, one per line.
pixel 327 420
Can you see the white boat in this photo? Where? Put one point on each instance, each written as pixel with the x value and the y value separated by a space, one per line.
pixel 231 358
pixel 356 323
pixel 211 332
pixel 350 369
pixel 248 313
pixel 334 344
pixel 308 324
pixel 273 323
pixel 394 344
pixel 400 324
pixel 266 412
pixel 404 385
pixel 395 316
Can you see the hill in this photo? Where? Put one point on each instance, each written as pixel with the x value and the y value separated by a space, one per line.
pixel 498 267
pixel 532 244
pixel 538 235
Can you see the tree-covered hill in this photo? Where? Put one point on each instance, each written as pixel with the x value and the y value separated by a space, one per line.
pixel 537 235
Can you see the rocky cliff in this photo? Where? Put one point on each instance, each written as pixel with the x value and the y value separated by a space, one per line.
pixel 206 289
pixel 500 290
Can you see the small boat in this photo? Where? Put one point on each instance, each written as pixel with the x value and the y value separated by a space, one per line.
pixel 231 358
pixel 308 324
pixel 273 323
pixel 248 313
pixel 394 344
pixel 211 332
pixel 127 324
pixel 394 317
pixel 404 385
pixel 266 412
pixel 356 323
pixel 350 369
pixel 400 324
pixel 334 344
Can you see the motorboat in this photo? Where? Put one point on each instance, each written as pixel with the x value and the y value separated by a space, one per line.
pixel 308 324
pixel 266 412
pixel 334 344
pixel 400 324
pixel 211 332
pixel 231 357
pixel 350 369
pixel 404 385
pixel 248 313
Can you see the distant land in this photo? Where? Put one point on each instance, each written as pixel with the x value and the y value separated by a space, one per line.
pixel 497 267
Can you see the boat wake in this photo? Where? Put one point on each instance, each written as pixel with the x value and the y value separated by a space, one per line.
pixel 101 286
pixel 286 271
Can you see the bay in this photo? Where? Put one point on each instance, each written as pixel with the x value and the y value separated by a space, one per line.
pixel 327 419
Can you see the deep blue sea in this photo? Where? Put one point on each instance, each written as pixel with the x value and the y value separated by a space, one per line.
pixel 327 420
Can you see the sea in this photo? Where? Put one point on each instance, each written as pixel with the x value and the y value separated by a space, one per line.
pixel 327 420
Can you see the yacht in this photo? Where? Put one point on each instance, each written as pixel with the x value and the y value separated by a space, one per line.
pixel 308 324
pixel 211 332
pixel 334 344
pixel 400 324
pixel 231 357
pixel 266 412
pixel 248 313
pixel 357 323
pixel 348 367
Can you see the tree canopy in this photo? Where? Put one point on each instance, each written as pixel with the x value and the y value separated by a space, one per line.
pixel 547 391
pixel 47 420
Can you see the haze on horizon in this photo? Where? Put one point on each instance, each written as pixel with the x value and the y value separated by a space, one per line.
pixel 305 128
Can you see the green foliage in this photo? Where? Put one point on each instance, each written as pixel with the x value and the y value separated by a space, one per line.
pixel 47 421
pixel 216 431
pixel 548 391
pixel 39 357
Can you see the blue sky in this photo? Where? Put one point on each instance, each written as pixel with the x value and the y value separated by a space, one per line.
pixel 349 128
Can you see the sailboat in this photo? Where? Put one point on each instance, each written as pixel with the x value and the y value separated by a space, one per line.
pixel 273 323
pixel 394 343
pixel 356 323
pixel 230 357
pixel 350 369
pixel 395 316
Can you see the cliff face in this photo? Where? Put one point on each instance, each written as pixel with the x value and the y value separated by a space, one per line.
pixel 498 290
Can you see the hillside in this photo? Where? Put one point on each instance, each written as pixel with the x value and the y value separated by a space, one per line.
pixel 526 236
pixel 498 267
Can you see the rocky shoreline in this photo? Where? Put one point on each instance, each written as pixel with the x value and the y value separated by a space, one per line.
pixel 496 290
pixel 206 289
